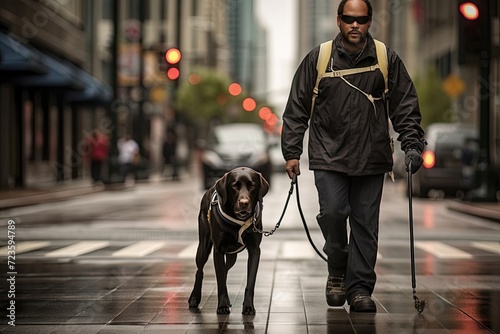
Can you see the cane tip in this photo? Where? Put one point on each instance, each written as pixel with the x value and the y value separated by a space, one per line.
pixel 420 306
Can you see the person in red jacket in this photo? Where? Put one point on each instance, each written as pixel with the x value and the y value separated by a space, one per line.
pixel 98 154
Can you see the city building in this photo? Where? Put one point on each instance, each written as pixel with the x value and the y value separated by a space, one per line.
pixel 70 67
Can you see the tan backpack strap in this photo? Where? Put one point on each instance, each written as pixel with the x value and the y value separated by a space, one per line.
pixel 384 68
pixel 349 71
pixel 324 55
pixel 383 62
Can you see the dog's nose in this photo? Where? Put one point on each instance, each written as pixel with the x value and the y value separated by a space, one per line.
pixel 244 202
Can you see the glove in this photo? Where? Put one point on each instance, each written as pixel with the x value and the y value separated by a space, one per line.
pixel 415 158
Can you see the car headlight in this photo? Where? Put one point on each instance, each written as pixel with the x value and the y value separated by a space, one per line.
pixel 212 159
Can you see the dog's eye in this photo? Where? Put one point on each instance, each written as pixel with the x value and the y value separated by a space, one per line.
pixel 251 185
pixel 236 185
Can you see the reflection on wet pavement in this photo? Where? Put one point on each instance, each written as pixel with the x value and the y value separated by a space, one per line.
pixel 117 297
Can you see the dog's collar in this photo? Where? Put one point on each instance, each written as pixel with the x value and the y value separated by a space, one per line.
pixel 228 219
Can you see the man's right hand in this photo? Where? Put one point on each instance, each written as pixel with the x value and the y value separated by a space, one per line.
pixel 292 167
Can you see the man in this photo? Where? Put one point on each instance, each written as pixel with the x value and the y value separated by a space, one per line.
pixel 350 148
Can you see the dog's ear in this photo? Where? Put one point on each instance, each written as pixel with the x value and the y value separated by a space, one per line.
pixel 264 187
pixel 221 188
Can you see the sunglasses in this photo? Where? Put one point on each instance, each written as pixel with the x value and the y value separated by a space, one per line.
pixel 350 19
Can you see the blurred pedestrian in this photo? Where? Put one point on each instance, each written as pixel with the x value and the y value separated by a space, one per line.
pixel 128 155
pixel 350 147
pixel 99 145
pixel 170 152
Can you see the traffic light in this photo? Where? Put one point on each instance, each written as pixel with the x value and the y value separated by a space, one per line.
pixel 473 29
pixel 173 57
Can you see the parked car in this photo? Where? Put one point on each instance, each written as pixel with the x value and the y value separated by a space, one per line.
pixel 449 160
pixel 235 145
pixel 277 161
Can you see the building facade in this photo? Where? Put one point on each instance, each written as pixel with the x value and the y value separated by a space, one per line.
pixel 69 67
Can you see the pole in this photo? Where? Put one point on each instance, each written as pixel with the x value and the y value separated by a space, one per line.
pixel 139 125
pixel 486 176
pixel 114 175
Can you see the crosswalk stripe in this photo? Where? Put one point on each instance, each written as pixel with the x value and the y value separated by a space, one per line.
pixel 286 250
pixel 442 251
pixel 492 246
pixel 139 249
pixel 80 248
pixel 297 250
pixel 25 246
pixel 189 252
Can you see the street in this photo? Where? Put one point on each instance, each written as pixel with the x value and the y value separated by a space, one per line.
pixel 123 262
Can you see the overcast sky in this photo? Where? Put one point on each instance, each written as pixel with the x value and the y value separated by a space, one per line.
pixel 279 17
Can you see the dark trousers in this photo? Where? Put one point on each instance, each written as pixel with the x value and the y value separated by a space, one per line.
pixel 127 169
pixel 95 170
pixel 356 198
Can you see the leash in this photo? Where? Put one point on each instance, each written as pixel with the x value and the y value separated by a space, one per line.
pixel 277 226
pixel 293 184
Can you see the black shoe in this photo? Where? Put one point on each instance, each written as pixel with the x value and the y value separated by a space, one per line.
pixel 363 303
pixel 335 290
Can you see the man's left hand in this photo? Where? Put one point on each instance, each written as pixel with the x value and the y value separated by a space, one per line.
pixel 415 158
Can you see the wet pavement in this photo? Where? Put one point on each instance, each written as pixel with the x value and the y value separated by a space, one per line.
pixel 151 296
pixel 109 290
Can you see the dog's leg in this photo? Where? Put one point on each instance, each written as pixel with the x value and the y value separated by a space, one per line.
pixel 224 303
pixel 252 267
pixel 202 254
pixel 230 261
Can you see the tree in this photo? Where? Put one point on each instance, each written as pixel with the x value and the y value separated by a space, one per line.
pixel 205 99
pixel 435 105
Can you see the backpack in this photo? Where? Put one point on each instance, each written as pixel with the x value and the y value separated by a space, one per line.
pixel 382 64
pixel 324 56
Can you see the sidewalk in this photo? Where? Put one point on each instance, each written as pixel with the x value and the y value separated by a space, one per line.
pixel 485 210
pixel 18 197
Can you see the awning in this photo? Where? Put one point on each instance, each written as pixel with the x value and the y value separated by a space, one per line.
pixel 95 92
pixel 24 66
pixel 61 75
pixel 16 58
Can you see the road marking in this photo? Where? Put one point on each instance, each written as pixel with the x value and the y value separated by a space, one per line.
pixel 139 249
pixel 492 246
pixel 442 251
pixel 296 250
pixel 189 252
pixel 290 250
pixel 25 246
pixel 80 248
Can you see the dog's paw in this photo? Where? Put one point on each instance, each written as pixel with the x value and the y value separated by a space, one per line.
pixel 193 302
pixel 248 310
pixel 223 310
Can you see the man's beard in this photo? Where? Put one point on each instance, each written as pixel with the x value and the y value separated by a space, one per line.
pixel 346 38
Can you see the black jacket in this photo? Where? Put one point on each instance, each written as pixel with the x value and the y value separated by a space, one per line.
pixel 346 134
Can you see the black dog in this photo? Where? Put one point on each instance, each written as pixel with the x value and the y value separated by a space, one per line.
pixel 228 212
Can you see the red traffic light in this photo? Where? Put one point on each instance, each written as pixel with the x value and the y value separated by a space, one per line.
pixel 249 104
pixel 173 57
pixel 469 11
pixel 173 73
pixel 234 89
